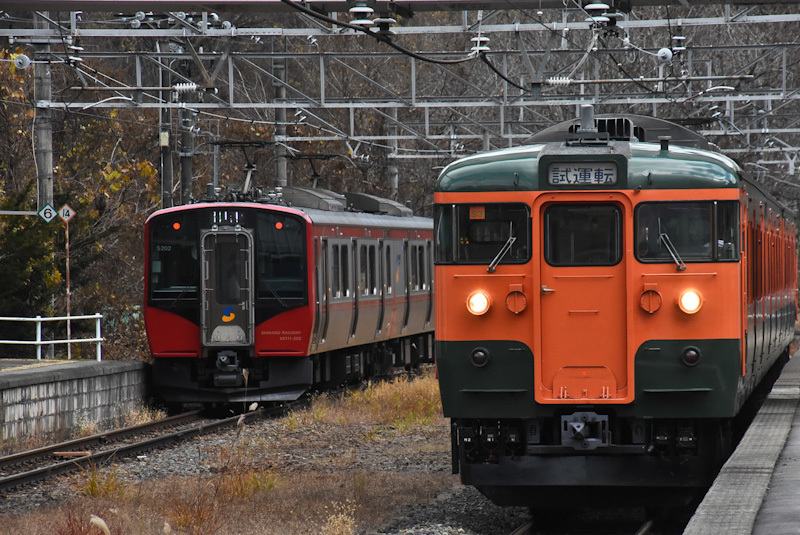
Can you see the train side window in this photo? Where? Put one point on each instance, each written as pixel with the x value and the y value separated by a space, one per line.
pixel 727 230
pixel 363 270
pixel 345 260
pixel 475 233
pixel 388 265
pixel 336 288
pixel 414 275
pixel 583 235
pixel 421 278
pixel 373 271
pixel 692 231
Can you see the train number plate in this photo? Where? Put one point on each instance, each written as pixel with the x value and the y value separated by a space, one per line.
pixel 582 174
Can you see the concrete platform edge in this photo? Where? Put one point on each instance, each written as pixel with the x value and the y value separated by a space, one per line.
pixel 734 500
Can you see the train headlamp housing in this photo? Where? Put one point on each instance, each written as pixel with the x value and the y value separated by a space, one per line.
pixel 479 302
pixel 690 301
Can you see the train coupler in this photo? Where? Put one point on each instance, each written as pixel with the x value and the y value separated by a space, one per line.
pixel 228 374
pixel 585 430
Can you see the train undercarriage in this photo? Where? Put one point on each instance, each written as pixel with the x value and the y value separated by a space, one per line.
pixel 228 376
pixel 585 454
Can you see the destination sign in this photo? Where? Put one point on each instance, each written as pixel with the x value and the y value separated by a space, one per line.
pixel 582 174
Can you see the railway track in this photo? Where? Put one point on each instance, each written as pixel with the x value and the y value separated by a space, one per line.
pixel 42 463
pixel 647 527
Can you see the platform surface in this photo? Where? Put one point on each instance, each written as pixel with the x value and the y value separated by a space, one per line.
pixel 758 489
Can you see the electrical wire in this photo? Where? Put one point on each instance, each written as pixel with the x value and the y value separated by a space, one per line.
pixel 378 36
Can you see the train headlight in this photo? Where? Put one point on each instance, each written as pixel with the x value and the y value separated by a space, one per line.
pixel 479 302
pixel 690 301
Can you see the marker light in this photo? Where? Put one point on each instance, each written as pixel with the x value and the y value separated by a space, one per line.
pixel 176 225
pixel 278 225
pixel 690 356
pixel 478 302
pixel 690 301
pixel 479 357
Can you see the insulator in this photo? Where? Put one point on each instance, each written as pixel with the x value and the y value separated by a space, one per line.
pixel 559 80
pixel 185 88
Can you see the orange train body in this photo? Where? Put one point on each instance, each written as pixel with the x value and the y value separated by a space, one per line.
pixel 605 307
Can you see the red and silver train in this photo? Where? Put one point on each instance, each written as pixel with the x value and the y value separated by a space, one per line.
pixel 260 301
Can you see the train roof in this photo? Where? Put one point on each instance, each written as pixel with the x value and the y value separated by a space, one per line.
pixel 648 166
pixel 324 207
pixel 626 127
pixel 648 153
pixel 362 219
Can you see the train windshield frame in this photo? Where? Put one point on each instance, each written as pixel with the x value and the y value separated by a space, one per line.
pixel 475 233
pixel 694 231
pixel 280 263
pixel 174 248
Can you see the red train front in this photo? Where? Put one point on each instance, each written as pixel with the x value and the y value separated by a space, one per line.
pixel 242 299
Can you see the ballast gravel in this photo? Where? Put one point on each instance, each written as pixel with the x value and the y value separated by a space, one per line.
pixel 457 510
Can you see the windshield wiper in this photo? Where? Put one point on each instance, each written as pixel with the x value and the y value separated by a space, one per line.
pixel 673 252
pixel 275 294
pixel 509 242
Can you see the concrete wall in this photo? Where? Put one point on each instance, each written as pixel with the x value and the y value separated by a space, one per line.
pixel 55 399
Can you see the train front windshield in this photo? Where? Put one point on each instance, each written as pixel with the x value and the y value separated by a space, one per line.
pixel 477 233
pixel 280 256
pixel 279 272
pixel 696 231
pixel 174 257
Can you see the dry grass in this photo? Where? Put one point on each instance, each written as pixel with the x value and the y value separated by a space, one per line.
pixel 316 472
pixel 400 404
pixel 303 503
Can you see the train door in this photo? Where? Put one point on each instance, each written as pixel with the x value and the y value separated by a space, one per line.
pixel 321 290
pixel 357 286
pixel 583 355
pixel 406 283
pixel 228 315
pixel 381 262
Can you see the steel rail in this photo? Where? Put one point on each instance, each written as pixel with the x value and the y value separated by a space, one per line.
pixel 104 456
pixel 93 440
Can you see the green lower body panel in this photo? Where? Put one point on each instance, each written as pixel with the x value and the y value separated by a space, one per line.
pixel 666 387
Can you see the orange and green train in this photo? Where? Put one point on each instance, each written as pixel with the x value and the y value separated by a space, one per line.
pixel 607 299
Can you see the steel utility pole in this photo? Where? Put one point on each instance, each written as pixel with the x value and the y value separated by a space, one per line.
pixel 186 118
pixel 43 120
pixel 281 165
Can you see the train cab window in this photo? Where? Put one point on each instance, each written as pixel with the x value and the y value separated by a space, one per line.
pixel 689 231
pixel 478 233
pixel 280 264
pixel 583 235
pixel 174 259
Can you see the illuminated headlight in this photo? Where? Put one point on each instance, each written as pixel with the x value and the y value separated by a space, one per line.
pixel 478 302
pixel 690 301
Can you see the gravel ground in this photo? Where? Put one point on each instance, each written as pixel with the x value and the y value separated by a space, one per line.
pixel 329 448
